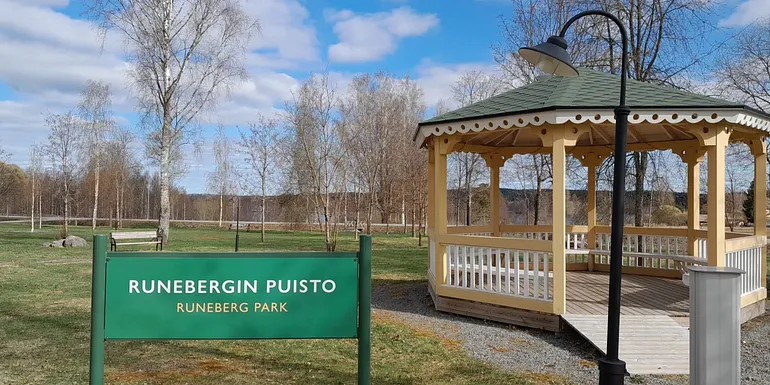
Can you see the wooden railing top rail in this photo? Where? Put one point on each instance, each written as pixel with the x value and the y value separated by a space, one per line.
pixel 468 229
pixel 496 242
pixel 731 235
pixel 526 228
pixel 746 242
pixel 628 230
pixel 540 228
pixel 633 230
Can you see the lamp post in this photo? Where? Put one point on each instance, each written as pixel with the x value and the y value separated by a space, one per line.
pixel 237 221
pixel 552 57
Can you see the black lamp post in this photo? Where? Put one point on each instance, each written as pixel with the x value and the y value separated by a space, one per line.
pixel 552 57
pixel 237 222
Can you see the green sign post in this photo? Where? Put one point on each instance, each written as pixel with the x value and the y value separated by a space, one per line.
pixel 220 296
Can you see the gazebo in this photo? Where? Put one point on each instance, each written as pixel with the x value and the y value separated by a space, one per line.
pixel 536 275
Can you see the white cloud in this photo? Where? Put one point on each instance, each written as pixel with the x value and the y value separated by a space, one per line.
pixel 44 3
pixel 746 13
pixel 369 37
pixel 436 79
pixel 285 34
pixel 46 68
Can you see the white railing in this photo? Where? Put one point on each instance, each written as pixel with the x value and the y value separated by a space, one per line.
pixel 523 274
pixel 750 261
pixel 540 235
pixel 575 243
pixel 701 247
pixel 650 251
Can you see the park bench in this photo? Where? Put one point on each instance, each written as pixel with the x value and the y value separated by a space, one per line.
pixel 239 226
pixel 135 238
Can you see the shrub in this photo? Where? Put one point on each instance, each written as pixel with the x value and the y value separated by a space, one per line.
pixel 669 215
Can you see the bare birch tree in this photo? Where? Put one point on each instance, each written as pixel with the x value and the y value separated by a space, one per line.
pixel 94 110
pixel 318 153
pixel 472 86
pixel 34 170
pixel 221 179
pixel 61 148
pixel 260 145
pixel 121 163
pixel 365 132
pixel 185 54
pixel 744 69
pixel 667 40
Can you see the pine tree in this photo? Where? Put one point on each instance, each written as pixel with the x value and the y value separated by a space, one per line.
pixel 748 204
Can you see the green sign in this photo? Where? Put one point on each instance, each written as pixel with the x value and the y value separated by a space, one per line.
pixel 231 296
pixel 204 296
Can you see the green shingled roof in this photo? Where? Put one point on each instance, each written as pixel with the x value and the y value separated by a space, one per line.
pixel 590 90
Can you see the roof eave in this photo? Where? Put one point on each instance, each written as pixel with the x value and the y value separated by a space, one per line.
pixel 535 117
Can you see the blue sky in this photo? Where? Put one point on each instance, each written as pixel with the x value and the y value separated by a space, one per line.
pixel 48 54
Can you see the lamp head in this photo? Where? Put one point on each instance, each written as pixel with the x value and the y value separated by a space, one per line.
pixel 550 57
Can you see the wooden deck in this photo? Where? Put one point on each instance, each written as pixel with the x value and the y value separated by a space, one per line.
pixel 654 338
pixel 640 295
pixel 649 344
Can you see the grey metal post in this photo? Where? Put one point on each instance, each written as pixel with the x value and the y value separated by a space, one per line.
pixel 715 325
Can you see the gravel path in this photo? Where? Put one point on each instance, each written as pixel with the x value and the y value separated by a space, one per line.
pixel 547 357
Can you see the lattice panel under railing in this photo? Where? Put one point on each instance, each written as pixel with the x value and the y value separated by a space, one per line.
pixel 517 273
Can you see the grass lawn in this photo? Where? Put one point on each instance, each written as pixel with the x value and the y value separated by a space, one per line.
pixel 45 317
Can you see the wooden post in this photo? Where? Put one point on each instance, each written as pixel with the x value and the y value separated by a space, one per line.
pixel 494 162
pixel 692 157
pixel 494 199
pixel 717 140
pixel 443 146
pixel 693 206
pixel 591 241
pixel 758 149
pixel 431 215
pixel 559 138
pixel 591 159
pixel 559 221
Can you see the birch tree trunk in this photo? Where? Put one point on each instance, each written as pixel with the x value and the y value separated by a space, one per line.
pixel 96 192
pixel 32 216
pixel 66 206
pixel 183 58
pixel 264 201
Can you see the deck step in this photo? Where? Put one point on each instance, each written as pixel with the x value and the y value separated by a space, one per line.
pixel 649 344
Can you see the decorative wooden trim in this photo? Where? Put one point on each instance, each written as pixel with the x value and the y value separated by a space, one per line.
pixel 606 116
pixel 690 154
pixel 495 159
pixel 591 156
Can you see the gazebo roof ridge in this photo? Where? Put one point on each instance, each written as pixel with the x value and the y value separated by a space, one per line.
pixel 594 90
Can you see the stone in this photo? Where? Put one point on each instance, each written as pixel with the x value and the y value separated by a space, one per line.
pixel 56 243
pixel 74 241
